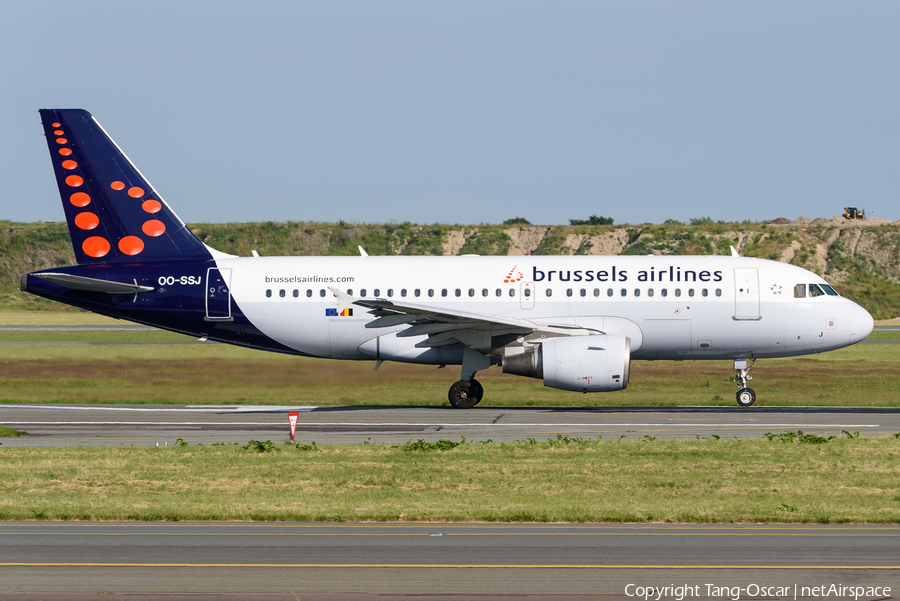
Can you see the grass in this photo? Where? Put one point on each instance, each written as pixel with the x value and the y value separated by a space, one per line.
pixel 6 431
pixel 61 315
pixel 847 480
pixel 95 336
pixel 212 373
pixel 862 375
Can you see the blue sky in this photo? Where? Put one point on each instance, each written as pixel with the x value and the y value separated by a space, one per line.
pixel 466 112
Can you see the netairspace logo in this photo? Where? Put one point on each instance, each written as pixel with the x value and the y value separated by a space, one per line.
pixel 680 592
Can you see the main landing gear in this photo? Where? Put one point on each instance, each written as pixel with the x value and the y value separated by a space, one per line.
pixel 745 396
pixel 466 393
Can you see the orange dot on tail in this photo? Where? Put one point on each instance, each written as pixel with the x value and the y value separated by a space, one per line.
pixel 95 246
pixel 61 140
pixel 65 151
pixel 80 199
pixel 151 206
pixel 87 220
pixel 55 124
pixel 58 132
pixel 154 228
pixel 117 185
pixel 135 192
pixel 131 245
pixel 74 181
pixel 69 165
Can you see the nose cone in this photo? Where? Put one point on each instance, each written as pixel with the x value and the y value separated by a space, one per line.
pixel 861 323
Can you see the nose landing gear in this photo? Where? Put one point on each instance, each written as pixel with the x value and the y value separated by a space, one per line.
pixel 745 396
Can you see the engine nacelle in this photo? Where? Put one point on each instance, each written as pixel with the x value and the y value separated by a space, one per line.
pixel 599 363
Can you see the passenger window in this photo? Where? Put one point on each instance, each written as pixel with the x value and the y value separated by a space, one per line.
pixel 549 292
pixel 649 291
pixel 664 292
pixel 814 290
pixel 361 292
pixel 690 292
pixel 718 292
pixel 418 293
pixel 498 292
pixel 322 293
pixel 458 292
pixel 637 291
pixel 484 292
pixel 609 292
pixel 376 293
pixel 390 292
pixel 512 291
pixel 309 293
pixel 350 291
pixel 296 293
pixel 705 292
pixel 800 291
pixel 527 292
pixel 596 292
pixel 678 292
pixel 403 292
pixel 431 292
pixel 471 292
pixel 624 292
pixel 583 292
pixel 568 292
pixel 443 292
pixel 281 293
pixel 268 294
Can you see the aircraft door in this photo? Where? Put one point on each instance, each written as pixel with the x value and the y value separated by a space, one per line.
pixel 746 293
pixel 526 295
pixel 218 294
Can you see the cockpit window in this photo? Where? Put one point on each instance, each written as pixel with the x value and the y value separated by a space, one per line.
pixel 814 291
pixel 829 290
pixel 800 291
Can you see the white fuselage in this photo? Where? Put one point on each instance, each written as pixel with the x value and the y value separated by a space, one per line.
pixel 672 307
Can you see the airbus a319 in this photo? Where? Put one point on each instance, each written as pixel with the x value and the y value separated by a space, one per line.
pixel 576 322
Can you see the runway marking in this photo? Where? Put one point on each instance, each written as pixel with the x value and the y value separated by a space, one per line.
pixel 300 425
pixel 433 528
pixel 443 565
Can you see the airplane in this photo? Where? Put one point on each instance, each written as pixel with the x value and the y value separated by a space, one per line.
pixel 575 322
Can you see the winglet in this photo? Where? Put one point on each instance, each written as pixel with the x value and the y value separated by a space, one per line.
pixel 362 251
pixel 734 253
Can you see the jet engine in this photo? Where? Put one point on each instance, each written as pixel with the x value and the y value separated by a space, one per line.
pixel 598 363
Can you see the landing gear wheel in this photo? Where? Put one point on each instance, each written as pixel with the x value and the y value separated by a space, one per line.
pixel 465 394
pixel 746 397
pixel 477 390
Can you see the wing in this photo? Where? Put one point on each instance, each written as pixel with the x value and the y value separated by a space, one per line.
pixel 444 326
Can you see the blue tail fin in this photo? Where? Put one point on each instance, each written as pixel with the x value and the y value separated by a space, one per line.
pixel 114 214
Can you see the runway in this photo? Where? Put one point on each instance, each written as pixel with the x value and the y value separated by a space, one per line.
pixel 429 561
pixel 149 425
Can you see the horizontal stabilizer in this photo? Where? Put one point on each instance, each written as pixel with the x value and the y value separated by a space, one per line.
pixel 77 282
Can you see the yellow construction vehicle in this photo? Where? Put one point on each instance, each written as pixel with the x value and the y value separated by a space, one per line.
pixel 854 213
